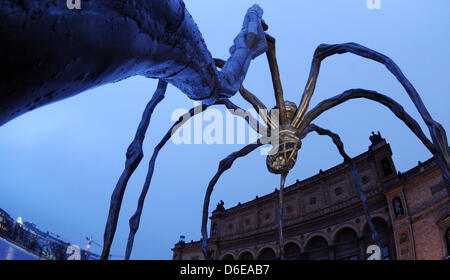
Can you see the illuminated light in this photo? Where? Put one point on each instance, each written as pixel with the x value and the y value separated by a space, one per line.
pixel 19 221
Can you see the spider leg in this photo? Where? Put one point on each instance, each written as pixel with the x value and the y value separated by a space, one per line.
pixel 135 219
pixel 236 110
pixel 224 165
pixel 272 59
pixel 258 106
pixel 351 164
pixel 133 158
pixel 251 98
pixel 441 153
pixel 280 215
pixel 323 51
pixel 262 111
pixel 437 132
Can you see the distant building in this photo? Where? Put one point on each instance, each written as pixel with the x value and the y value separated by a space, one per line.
pixel 324 219
pixel 6 223
pixel 29 236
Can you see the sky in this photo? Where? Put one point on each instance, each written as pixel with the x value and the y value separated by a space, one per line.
pixel 60 163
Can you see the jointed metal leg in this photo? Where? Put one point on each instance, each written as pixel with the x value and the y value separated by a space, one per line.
pixel 258 106
pixel 135 219
pixel 396 108
pixel 224 165
pixel 237 111
pixel 351 164
pixel 134 156
pixel 280 215
pixel 272 59
pixel 437 132
pixel 323 51
pixel 441 153
pixel 250 98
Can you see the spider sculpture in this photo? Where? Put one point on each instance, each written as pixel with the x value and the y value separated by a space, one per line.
pixel 290 127
pixel 295 123
pixel 159 39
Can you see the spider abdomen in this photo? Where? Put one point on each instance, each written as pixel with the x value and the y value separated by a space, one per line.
pixel 283 156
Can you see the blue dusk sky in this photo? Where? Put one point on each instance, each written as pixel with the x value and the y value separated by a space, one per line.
pixel 60 163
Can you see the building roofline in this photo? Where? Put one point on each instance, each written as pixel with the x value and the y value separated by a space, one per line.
pixel 306 182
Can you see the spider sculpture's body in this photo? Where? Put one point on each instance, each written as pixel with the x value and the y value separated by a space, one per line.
pixel 49 52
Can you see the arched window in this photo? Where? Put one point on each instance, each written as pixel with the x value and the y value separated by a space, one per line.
pixel 384 237
pixel 267 254
pixel 292 251
pixel 228 257
pixel 246 256
pixel 346 245
pixel 317 249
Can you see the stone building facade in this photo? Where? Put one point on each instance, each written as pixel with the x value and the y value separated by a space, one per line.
pixel 324 218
